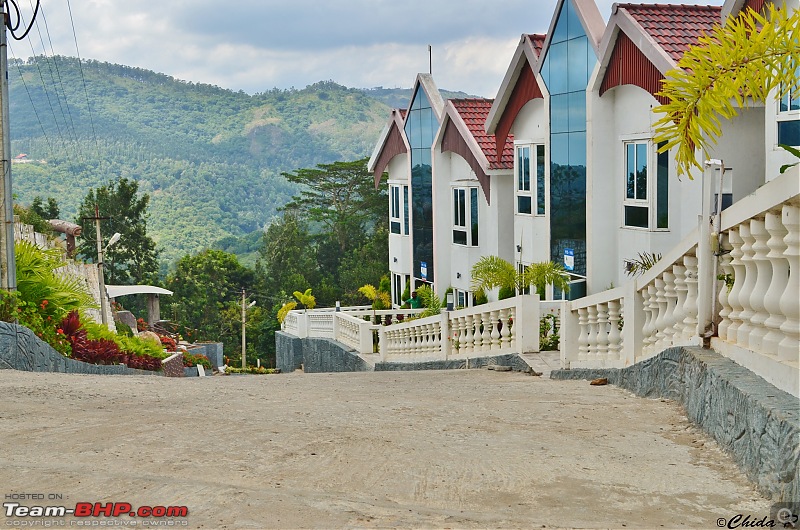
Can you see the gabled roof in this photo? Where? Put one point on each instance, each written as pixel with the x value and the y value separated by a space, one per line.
pixel 392 142
pixel 733 7
pixel 674 27
pixel 518 88
pixel 644 41
pixel 590 18
pixel 463 133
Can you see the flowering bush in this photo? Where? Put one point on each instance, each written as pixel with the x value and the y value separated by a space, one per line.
pixel 141 325
pixel 190 360
pixel 169 343
pixel 101 350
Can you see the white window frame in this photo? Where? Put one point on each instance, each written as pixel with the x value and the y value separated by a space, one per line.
pixel 463 223
pixel 651 189
pixel 789 114
pixel 395 209
pixel 531 191
pixel 460 294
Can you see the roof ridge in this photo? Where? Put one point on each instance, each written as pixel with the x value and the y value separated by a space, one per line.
pixel 699 7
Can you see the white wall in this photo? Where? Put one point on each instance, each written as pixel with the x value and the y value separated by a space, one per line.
pixel 625 114
pixel 531 232
pixel 741 148
pixel 399 245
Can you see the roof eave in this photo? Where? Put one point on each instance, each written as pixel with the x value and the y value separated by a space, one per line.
pixel 506 87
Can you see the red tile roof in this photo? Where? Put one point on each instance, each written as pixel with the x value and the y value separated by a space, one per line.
pixel 538 42
pixel 474 113
pixel 674 27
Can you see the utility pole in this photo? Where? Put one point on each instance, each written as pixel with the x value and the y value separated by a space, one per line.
pixel 8 264
pixel 100 272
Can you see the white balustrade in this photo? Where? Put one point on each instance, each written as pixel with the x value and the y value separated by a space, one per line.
pixel 780 278
pixel 790 301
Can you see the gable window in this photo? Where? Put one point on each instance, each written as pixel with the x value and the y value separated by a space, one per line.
pixel 789 117
pixel 529 169
pixel 465 216
pixel 646 202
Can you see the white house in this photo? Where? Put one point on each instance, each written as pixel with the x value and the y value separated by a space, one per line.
pixel 404 152
pixel 473 209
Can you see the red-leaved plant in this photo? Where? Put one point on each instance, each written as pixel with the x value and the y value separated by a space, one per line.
pixel 101 351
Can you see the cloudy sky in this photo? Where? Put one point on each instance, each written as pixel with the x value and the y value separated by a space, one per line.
pixel 256 45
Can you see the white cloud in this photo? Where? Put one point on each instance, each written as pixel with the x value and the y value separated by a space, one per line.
pixel 255 45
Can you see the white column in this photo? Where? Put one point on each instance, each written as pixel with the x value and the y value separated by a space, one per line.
pixel 725 309
pixel 602 331
pixel 583 338
pixel 690 307
pixel 681 291
pixel 738 282
pixel 614 334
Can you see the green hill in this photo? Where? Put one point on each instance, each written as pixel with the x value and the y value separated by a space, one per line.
pixel 210 158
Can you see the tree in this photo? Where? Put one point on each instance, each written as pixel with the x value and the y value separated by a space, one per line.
pixel 287 257
pixel 207 289
pixel 48 212
pixel 746 59
pixel 492 271
pixel 342 197
pixel 133 259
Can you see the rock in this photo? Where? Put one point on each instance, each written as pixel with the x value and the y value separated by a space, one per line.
pixel 500 368
pixel 599 381
pixel 149 335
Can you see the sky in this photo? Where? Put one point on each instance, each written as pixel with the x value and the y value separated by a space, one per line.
pixel 257 45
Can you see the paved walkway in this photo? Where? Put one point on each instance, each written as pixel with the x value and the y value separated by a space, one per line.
pixel 439 449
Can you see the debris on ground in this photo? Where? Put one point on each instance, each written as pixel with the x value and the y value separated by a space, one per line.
pixel 599 381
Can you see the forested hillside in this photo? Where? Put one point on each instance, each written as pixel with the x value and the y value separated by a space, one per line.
pixel 209 158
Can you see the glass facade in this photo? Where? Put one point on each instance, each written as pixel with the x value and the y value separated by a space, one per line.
pixel 566 70
pixel 420 128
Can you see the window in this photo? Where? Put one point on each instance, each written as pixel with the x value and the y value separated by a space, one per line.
pixel 789 117
pixel 465 216
pixel 530 164
pixel 398 212
pixel 646 203
pixel 460 298
pixel 405 210
pixel 398 289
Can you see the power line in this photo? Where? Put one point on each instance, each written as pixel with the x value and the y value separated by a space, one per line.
pixel 53 77
pixel 14 26
pixel 83 78
pixel 30 97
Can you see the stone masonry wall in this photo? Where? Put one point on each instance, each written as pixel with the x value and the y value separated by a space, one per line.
pixel 20 349
pixel 513 360
pixel 757 423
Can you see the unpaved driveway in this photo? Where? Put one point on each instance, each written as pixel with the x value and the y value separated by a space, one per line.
pixel 456 449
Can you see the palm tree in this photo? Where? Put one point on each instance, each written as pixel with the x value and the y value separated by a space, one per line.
pixel 492 271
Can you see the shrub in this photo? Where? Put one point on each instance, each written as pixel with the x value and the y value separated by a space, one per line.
pixel 190 360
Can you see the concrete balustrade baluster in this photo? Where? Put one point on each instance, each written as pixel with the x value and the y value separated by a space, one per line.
pixel 592 332
pixel 743 332
pixel 671 298
pixel 602 331
pixel 583 337
pixel 763 279
pixel 680 291
pixel 790 301
pixel 780 278
pixel 614 334
pixel 727 271
pixel 494 319
pixel 690 306
pixel 735 313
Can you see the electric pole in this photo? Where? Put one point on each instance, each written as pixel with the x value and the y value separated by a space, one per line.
pixel 100 271
pixel 8 264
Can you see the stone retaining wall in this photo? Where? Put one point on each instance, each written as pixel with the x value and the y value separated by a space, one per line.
pixel 757 423
pixel 20 349
pixel 513 360
pixel 316 355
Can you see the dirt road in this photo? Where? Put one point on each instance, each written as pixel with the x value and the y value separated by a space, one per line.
pixel 457 449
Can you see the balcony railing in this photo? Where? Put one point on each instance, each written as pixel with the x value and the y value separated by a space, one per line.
pixel 757 302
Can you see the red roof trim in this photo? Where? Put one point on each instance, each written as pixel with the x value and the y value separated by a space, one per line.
pixel 393 146
pixel 526 89
pixel 629 66
pixel 453 141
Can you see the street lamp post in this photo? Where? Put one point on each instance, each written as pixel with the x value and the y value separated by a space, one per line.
pixel 245 307
pixel 100 271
